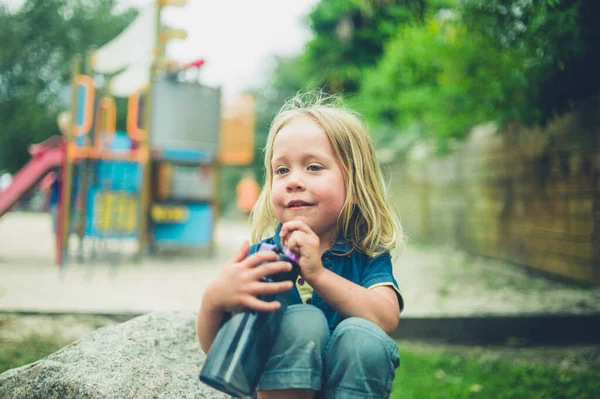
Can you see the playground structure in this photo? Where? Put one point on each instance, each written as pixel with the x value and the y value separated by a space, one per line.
pixel 155 183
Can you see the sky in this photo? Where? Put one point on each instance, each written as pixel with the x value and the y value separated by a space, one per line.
pixel 236 38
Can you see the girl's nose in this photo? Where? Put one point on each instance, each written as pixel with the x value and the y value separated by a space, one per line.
pixel 295 183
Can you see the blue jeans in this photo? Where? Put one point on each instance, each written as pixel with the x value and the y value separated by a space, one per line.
pixel 357 361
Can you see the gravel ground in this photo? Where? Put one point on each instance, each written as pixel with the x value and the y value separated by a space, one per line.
pixel 445 281
pixel 435 280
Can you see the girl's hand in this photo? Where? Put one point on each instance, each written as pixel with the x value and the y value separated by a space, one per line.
pixel 238 284
pixel 300 239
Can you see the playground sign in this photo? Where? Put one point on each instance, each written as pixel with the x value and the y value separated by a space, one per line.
pixel 169 214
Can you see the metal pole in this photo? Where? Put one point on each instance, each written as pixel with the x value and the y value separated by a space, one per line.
pixel 67 184
pixel 145 144
pixel 84 168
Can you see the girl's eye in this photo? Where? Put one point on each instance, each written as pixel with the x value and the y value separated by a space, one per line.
pixel 315 168
pixel 281 171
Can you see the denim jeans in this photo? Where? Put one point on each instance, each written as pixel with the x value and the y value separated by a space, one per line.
pixel 358 360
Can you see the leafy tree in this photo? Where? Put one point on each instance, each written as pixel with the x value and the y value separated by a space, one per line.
pixel 484 61
pixel 349 35
pixel 437 80
pixel 558 42
pixel 35 64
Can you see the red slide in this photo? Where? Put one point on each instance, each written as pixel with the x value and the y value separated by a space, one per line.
pixel 46 156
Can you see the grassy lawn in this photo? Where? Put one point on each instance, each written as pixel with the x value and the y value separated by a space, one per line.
pixel 33 347
pixel 426 371
pixel 454 375
pixel 26 339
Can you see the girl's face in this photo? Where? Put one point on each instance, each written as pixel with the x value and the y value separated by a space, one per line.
pixel 308 182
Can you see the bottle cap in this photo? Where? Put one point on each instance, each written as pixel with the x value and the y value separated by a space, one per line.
pixel 280 250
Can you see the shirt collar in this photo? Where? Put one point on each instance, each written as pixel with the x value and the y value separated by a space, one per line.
pixel 340 247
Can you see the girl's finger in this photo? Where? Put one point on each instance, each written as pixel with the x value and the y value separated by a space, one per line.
pixel 241 253
pixel 269 268
pixel 259 257
pixel 260 306
pixel 291 226
pixel 258 288
pixel 287 227
pixel 294 242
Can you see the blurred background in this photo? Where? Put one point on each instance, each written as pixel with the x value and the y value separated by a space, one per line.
pixel 485 115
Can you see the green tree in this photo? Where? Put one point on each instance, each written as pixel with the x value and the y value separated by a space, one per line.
pixel 349 35
pixel 35 64
pixel 558 42
pixel 438 80
pixel 484 61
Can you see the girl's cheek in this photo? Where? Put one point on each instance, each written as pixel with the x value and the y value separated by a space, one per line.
pixel 277 188
pixel 275 195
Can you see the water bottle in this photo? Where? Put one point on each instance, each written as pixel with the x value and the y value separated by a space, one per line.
pixel 242 346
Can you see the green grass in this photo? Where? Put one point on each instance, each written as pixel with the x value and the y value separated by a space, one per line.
pixel 33 347
pixel 442 375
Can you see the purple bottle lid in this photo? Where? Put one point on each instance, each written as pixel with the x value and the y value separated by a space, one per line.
pixel 267 247
pixel 284 250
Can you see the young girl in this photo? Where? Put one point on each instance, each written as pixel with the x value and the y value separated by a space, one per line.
pixel 324 198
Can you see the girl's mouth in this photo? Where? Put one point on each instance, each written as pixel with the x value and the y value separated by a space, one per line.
pixel 298 204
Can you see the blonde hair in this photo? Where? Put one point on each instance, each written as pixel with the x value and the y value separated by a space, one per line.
pixel 366 220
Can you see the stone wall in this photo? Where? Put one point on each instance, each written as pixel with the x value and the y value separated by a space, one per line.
pixel 530 196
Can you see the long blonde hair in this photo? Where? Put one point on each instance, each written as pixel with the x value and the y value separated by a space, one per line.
pixel 366 220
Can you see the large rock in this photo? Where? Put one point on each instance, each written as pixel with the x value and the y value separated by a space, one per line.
pixel 152 356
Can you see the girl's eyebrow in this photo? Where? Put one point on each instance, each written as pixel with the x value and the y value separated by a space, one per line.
pixel 278 159
pixel 308 155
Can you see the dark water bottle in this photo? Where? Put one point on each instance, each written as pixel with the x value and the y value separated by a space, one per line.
pixel 242 346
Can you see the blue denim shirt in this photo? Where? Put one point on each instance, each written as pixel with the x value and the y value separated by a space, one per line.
pixel 356 266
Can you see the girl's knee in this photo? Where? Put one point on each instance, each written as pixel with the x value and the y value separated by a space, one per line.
pixel 304 322
pixel 360 361
pixel 296 359
pixel 359 340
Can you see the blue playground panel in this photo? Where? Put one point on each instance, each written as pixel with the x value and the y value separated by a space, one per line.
pixel 120 141
pixel 187 155
pixel 113 197
pixel 81 90
pixel 196 230
pixel 112 213
pixel 122 175
pixel 113 201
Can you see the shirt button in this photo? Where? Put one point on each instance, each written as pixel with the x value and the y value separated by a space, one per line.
pixel 301 281
pixel 309 301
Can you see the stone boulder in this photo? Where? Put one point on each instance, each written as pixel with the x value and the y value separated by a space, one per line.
pixel 152 356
